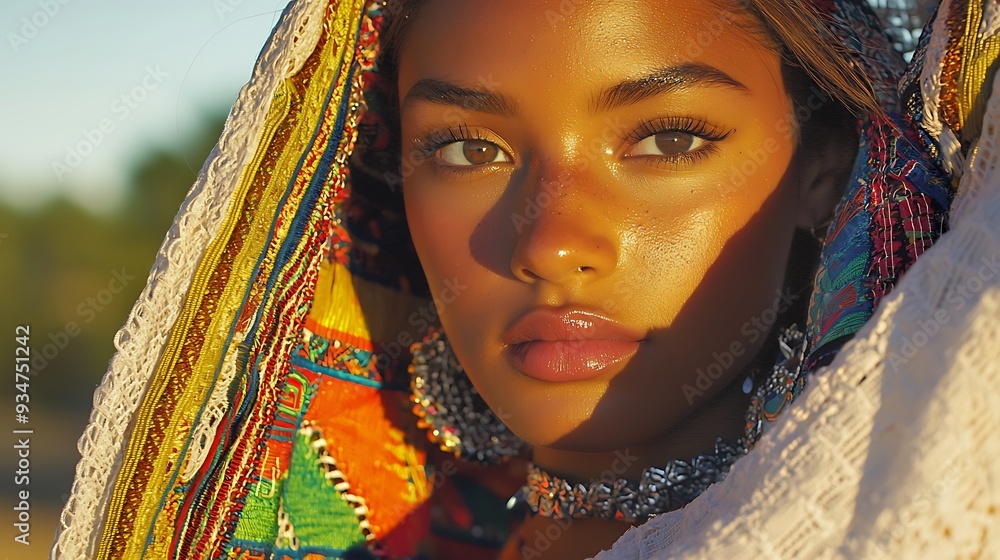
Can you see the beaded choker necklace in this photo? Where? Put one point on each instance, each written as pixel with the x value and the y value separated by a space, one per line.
pixel 662 489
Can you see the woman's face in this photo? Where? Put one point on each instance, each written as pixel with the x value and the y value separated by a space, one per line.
pixel 604 191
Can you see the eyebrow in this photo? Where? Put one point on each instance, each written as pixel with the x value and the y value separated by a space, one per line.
pixel 664 80
pixel 447 93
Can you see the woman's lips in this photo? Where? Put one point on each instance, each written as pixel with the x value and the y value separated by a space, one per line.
pixel 569 360
pixel 568 345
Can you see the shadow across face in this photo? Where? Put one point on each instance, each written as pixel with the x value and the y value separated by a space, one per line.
pixel 604 167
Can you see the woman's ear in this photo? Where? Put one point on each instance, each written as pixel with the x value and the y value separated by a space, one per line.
pixel 825 160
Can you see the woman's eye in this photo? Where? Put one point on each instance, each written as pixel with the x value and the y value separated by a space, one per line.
pixel 670 143
pixel 472 152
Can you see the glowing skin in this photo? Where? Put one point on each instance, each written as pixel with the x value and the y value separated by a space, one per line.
pixel 629 160
pixel 606 163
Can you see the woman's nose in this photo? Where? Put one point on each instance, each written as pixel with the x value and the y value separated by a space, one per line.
pixel 563 234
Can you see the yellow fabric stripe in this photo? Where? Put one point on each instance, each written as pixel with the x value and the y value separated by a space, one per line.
pixel 335 304
pixel 341 297
pixel 212 351
pixel 342 303
pixel 340 45
pixel 163 375
pixel 315 95
pixel 977 57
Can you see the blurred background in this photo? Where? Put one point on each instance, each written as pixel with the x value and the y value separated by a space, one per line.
pixel 107 112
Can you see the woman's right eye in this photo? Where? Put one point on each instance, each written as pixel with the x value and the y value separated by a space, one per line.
pixel 472 152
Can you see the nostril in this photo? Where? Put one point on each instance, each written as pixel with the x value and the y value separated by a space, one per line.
pixel 529 274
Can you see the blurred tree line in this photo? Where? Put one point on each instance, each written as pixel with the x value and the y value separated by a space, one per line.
pixel 73 278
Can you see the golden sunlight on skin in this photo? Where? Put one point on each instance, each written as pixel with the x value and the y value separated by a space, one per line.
pixel 578 208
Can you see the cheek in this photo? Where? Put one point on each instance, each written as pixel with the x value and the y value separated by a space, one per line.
pixel 442 225
pixel 739 221
pixel 759 195
pixel 437 235
pixel 714 279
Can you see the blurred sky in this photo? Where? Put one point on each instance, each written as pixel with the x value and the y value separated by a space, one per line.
pixel 148 72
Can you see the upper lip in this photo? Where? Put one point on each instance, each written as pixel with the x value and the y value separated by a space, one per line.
pixel 553 324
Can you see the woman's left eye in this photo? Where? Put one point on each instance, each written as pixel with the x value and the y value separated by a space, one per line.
pixel 668 143
pixel 472 152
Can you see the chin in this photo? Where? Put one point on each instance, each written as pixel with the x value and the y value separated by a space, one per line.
pixel 597 441
pixel 581 417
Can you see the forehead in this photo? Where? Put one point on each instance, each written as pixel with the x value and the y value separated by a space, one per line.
pixel 580 42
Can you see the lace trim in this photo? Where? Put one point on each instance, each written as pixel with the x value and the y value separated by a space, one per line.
pixel 141 340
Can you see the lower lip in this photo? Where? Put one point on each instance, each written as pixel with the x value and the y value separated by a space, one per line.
pixel 569 360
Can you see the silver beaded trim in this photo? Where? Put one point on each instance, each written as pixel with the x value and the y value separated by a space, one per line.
pixel 448 405
pixel 658 490
pixel 785 382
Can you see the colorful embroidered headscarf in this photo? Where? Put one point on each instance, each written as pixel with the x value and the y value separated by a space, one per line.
pixel 248 412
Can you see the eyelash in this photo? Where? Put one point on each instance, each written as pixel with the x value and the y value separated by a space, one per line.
pixel 428 146
pixel 689 125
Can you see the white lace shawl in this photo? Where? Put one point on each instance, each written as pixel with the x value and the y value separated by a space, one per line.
pixel 141 341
